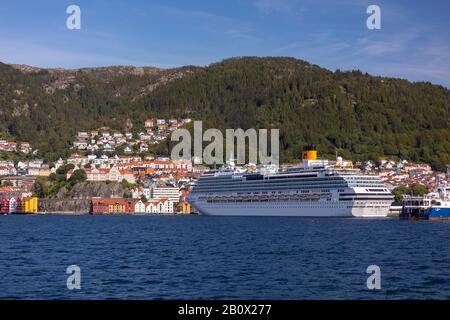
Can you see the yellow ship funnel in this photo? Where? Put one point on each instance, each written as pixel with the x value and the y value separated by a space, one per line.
pixel 309 152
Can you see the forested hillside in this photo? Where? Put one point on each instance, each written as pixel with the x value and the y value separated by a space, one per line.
pixel 360 115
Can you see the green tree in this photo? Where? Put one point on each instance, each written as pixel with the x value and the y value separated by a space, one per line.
pixel 415 189
pixel 6 184
pixel 126 185
pixel 418 189
pixel 127 194
pixel 77 176
pixel 65 168
pixel 40 188
pixel 399 192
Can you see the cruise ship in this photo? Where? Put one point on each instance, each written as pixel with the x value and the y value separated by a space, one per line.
pixel 314 188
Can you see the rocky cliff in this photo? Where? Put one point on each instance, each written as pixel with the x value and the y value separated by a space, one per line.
pixel 78 199
pixel 72 206
pixel 90 189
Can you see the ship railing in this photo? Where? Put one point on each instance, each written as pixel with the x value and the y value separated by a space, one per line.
pixel 407 197
pixel 279 197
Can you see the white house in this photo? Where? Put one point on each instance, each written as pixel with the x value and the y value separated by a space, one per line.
pixel 12 205
pixel 129 135
pixel 150 208
pixel 143 147
pixel 159 207
pixel 147 192
pixel 59 163
pixel 80 145
pixel 108 147
pixel 94 133
pixel 139 207
pixel 83 135
pixel 6 171
pixel 165 206
pixel 127 149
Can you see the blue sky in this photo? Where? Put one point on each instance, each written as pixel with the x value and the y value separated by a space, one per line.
pixel 413 42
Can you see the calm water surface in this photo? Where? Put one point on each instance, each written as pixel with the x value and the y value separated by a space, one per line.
pixel 200 257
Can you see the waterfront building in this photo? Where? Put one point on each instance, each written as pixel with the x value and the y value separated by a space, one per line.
pixel 105 174
pixel 112 206
pixel 129 206
pixel 171 193
pixel 12 205
pixel 4 205
pixel 185 207
pixel 139 207
pixel 151 207
pixel 162 206
pixel 21 205
pixel 165 206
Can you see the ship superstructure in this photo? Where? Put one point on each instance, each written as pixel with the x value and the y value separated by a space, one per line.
pixel 314 188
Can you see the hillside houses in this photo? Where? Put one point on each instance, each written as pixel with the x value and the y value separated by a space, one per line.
pixel 107 141
pixel 396 173
pixel 132 169
pixel 159 165
pixel 103 161
pixel 105 174
pixel 7 170
pixel 149 123
pixel 12 146
pixel 30 168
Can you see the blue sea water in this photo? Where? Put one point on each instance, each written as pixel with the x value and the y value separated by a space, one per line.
pixel 198 257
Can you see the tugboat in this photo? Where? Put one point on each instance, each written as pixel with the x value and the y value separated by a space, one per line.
pixel 433 206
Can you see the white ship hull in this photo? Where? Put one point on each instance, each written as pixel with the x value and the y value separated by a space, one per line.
pixel 294 209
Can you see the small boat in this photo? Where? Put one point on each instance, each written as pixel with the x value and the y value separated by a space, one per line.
pixel 432 206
